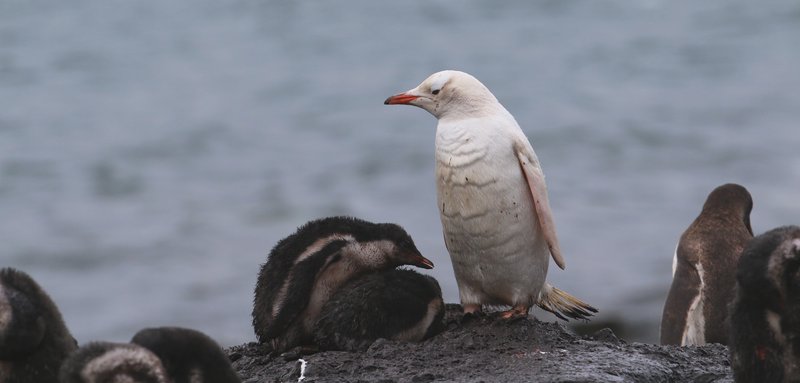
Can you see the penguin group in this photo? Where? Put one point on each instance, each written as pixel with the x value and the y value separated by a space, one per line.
pixel 732 288
pixel 334 285
pixel 341 283
pixel 154 355
pixel 728 286
pixel 36 346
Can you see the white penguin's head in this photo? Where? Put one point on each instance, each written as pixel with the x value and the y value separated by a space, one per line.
pixel 449 94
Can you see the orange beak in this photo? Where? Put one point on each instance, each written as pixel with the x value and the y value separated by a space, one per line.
pixel 401 98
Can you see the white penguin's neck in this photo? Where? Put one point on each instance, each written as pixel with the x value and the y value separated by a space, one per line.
pixel 469 108
pixel 467 142
pixel 477 130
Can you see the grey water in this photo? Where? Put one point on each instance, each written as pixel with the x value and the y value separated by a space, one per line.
pixel 152 152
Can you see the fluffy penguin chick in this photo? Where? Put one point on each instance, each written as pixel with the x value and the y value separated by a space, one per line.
pixel 305 269
pixel 189 356
pixel 764 341
pixel 103 362
pixel 696 309
pixel 492 199
pixel 400 305
pixel 33 337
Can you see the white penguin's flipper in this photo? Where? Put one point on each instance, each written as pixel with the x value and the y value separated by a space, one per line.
pixel 562 304
pixel 535 179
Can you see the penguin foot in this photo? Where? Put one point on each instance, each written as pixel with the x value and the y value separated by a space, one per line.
pixel 471 316
pixel 472 308
pixel 516 313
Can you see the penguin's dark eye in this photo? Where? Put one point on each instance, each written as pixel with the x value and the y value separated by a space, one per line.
pixel 436 91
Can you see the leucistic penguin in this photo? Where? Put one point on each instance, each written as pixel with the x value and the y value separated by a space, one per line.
pixel 34 340
pixel 764 340
pixel 704 269
pixel 304 269
pixel 189 356
pixel 108 362
pixel 492 200
pixel 400 305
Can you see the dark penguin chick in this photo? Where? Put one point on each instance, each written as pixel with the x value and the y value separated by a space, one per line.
pixel 33 337
pixel 103 362
pixel 704 269
pixel 189 356
pixel 400 305
pixel 304 269
pixel 764 340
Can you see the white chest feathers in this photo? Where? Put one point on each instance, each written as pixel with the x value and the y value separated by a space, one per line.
pixel 695 331
pixel 477 169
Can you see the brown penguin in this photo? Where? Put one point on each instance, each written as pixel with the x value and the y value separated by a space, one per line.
pixel 704 269
pixel 306 268
pixel 764 341
pixel 400 305
pixel 113 363
pixel 33 337
pixel 189 356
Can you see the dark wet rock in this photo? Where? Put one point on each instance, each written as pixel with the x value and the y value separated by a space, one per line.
pixel 487 349
pixel 605 335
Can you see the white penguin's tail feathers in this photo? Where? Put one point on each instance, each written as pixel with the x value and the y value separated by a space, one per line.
pixel 564 305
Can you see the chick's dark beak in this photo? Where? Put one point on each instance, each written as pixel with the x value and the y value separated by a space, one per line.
pixel 420 261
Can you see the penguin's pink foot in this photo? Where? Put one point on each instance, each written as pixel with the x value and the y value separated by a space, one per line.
pixel 517 312
pixel 472 308
pixel 472 312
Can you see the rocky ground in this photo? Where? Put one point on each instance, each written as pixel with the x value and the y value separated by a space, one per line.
pixel 487 349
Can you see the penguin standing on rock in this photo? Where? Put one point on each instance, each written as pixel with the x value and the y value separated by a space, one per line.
pixel 492 200
pixel 400 305
pixel 113 363
pixel 305 269
pixel 33 337
pixel 764 341
pixel 704 269
pixel 189 356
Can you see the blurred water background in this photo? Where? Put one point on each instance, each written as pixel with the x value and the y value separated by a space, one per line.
pixel 152 152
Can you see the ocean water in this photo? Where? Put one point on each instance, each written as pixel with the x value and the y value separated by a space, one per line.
pixel 152 152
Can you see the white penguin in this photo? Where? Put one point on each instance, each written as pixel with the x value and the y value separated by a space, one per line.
pixel 492 200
